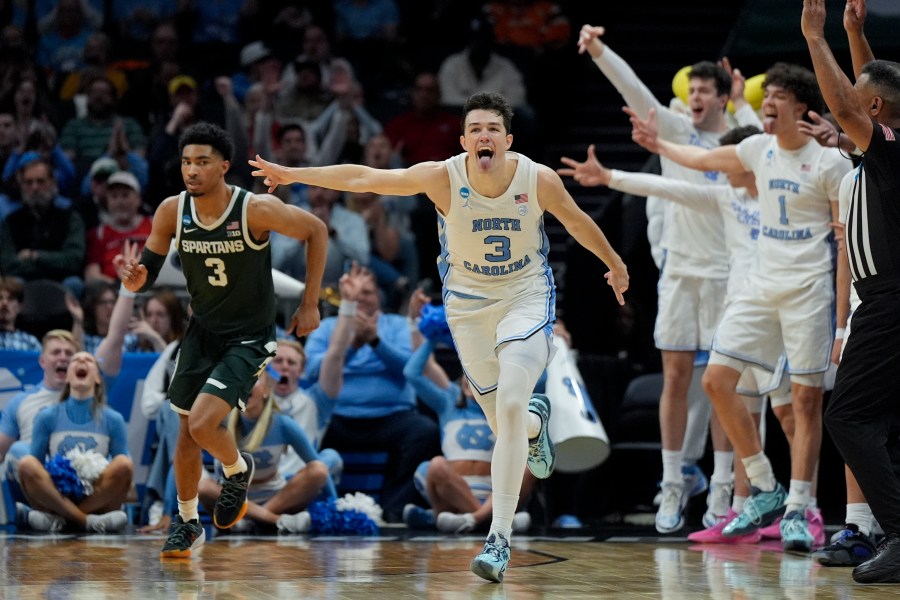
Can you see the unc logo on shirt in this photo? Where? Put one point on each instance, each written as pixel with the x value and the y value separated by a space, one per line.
pixel 70 442
pixel 475 437
pixel 263 459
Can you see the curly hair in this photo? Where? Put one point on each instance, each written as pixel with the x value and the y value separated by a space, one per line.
pixel 207 134
pixel 798 80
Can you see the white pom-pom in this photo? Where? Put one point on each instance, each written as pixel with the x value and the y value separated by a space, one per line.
pixel 362 503
pixel 89 465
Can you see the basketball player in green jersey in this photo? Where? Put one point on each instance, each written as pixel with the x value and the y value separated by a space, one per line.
pixel 222 236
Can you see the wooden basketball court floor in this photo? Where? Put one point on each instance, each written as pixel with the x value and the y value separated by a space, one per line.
pixel 404 566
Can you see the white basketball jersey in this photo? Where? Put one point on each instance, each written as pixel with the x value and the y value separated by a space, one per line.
pixel 493 247
pixel 796 188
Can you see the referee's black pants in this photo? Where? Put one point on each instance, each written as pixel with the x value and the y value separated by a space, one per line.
pixel 864 411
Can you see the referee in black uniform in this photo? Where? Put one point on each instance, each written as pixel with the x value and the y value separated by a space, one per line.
pixel 864 405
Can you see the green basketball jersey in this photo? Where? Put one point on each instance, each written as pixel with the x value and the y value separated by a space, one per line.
pixel 228 273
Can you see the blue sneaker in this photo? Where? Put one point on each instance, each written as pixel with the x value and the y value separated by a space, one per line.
pixel 795 533
pixel 850 548
pixel 541 453
pixel 494 558
pixel 670 516
pixel 760 509
pixel 417 517
pixel 695 482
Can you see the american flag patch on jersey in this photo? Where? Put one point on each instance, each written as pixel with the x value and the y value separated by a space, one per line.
pixel 888 133
pixel 520 198
pixel 232 226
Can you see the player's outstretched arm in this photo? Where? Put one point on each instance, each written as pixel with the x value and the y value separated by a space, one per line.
pixel 417 179
pixel 267 213
pixel 838 92
pixel 644 132
pixel 589 173
pixel 556 200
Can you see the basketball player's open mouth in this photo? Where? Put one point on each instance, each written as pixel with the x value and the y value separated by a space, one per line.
pixel 283 380
pixel 484 157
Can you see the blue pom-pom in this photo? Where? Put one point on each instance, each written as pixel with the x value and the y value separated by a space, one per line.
pixel 433 325
pixel 65 477
pixel 326 519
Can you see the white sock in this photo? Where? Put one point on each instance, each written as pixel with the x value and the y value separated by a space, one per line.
pixel 722 463
pixel 239 467
pixel 504 511
pixel 759 472
pixel 861 515
pixel 534 425
pixel 798 496
pixel 737 503
pixel 671 460
pixel 813 503
pixel 188 509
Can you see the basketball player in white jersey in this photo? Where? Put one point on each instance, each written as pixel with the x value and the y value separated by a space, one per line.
pixel 694 272
pixel 498 287
pixel 738 204
pixel 789 297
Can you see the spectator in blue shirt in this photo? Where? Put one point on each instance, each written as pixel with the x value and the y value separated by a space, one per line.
pixel 12 293
pixel 80 421
pixel 376 408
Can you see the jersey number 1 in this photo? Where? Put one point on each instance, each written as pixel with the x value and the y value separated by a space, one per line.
pixel 218 278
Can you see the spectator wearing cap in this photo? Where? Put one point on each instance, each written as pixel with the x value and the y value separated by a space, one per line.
pixel 12 293
pixel 102 130
pixel 123 223
pixel 41 240
pixel 258 65
pixel 92 204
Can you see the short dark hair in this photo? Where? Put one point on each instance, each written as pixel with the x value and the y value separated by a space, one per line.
pixel 285 129
pixel 798 80
pixel 13 287
pixel 492 102
pixel 738 134
pixel 207 134
pixel 706 69
pixel 884 76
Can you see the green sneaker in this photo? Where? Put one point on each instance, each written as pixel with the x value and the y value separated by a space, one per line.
pixel 494 558
pixel 541 453
pixel 795 533
pixel 760 509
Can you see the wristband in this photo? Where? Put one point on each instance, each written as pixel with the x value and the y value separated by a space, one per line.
pixel 347 308
pixel 839 333
pixel 126 293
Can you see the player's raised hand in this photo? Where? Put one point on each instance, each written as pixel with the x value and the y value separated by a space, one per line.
pixel 589 173
pixel 589 40
pixel 820 129
pixel 131 272
pixel 644 131
pixel 273 173
pixel 617 278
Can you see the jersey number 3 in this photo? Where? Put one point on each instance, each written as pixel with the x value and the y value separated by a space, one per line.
pixel 501 248
pixel 218 278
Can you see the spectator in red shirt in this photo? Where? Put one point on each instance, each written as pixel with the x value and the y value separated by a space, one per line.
pixel 427 132
pixel 124 222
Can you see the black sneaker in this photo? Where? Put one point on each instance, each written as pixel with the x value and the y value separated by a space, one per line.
pixel 851 548
pixel 232 503
pixel 183 539
pixel 884 567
